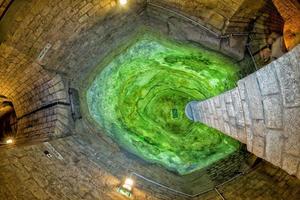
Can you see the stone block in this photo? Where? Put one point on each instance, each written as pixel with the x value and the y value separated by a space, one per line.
pixel 258 147
pixel 230 110
pixel 227 128
pixel 273 112
pixel 238 107
pixel 290 164
pixel 241 134
pixel 274 144
pixel 227 96
pixel 258 128
pixel 254 100
pixel 217 102
pixel 267 80
pixel 291 129
pixel 217 21
pixel 246 113
pixel 233 128
pixel 289 77
pixel 242 89
pixel 223 107
pixel 212 107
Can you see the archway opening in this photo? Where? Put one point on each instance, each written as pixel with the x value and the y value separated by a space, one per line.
pixel 8 121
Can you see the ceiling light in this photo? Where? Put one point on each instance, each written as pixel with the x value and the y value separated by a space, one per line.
pixel 123 2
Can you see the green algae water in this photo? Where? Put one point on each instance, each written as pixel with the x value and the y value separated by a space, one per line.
pixel 139 99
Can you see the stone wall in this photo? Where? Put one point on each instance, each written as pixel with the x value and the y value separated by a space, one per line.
pixel 181 28
pixel 35 94
pixel 78 34
pixel 89 167
pixel 262 112
pixel 213 14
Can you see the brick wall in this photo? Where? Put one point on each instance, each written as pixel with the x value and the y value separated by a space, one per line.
pixel 88 167
pixel 75 30
pixel 263 112
pixel 79 34
pixel 213 14
pixel 180 28
pixel 31 88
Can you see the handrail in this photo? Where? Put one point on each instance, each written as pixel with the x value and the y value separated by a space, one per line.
pixel 219 36
pixel 183 193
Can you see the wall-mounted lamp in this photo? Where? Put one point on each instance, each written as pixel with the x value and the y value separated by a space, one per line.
pixel 123 2
pixel 9 141
pixel 126 188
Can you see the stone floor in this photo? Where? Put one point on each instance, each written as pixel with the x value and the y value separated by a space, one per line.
pixel 81 168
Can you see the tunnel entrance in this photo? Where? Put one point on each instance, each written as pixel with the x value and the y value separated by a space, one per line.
pixel 8 121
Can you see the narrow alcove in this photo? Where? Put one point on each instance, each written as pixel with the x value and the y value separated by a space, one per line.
pixel 8 121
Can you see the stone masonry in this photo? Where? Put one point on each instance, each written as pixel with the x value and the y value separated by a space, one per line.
pixel 85 166
pixel 262 112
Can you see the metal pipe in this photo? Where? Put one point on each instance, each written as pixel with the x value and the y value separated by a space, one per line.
pixel 252 57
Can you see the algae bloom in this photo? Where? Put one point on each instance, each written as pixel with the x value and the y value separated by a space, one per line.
pixel 139 99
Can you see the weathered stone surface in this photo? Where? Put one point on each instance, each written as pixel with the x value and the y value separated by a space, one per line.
pixel 259 146
pixel 246 113
pixel 242 89
pixel 227 96
pixel 230 110
pixel 238 107
pixel 274 146
pixel 267 80
pixel 254 97
pixel 259 128
pixel 249 139
pixel 273 112
pixel 292 124
pixel 290 164
pixel 289 77
pixel 270 111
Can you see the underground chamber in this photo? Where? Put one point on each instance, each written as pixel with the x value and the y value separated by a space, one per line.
pixel 138 98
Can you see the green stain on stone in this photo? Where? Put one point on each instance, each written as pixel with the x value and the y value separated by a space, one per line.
pixel 140 98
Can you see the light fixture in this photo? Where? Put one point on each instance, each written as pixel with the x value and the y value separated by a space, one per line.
pixel 123 2
pixel 9 141
pixel 128 184
pixel 126 188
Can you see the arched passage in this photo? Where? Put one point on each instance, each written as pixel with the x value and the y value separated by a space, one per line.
pixel 8 121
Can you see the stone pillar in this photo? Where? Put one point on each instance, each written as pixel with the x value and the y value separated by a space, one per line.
pixel 262 112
